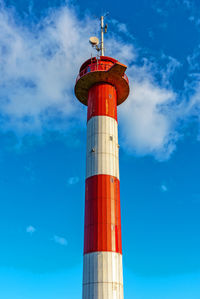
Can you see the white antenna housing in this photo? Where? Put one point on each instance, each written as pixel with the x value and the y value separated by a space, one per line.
pixel 94 41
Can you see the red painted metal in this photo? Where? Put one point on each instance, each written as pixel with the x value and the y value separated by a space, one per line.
pixel 96 66
pixel 101 85
pixel 94 61
pixel 105 69
pixel 102 100
pixel 102 214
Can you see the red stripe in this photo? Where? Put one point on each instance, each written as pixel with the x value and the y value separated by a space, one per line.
pixel 102 214
pixel 102 100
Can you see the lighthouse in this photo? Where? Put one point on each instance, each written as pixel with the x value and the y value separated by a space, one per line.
pixel 102 85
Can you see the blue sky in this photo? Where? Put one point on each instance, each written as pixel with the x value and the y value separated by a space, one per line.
pixel 43 141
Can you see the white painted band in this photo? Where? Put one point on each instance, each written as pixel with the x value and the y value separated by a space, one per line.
pixel 102 146
pixel 102 276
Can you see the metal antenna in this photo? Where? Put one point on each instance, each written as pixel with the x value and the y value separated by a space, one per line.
pixel 103 30
pixel 102 35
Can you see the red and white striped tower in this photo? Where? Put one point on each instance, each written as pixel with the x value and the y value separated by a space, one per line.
pixel 102 85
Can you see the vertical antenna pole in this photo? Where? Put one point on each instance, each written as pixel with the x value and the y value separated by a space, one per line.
pixel 102 36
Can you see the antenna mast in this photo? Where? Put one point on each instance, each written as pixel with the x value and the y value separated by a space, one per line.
pixel 94 41
pixel 102 36
pixel 104 29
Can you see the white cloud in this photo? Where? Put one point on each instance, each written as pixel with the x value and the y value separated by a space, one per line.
pixel 193 60
pixel 148 126
pixel 73 180
pixel 192 109
pixel 39 68
pixel 60 240
pixel 164 188
pixel 120 50
pixel 172 65
pixel 38 71
pixel 30 229
pixel 122 28
pixel 193 10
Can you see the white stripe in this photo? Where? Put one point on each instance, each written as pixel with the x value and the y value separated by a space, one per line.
pixel 102 276
pixel 102 146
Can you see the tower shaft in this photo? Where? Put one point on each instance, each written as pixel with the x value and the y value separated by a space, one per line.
pixel 102 276
pixel 102 85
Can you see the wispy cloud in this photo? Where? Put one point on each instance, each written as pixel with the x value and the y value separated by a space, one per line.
pixel 60 240
pixel 193 60
pixel 39 68
pixel 192 8
pixel 73 180
pixel 163 188
pixel 30 229
pixel 122 28
pixel 148 124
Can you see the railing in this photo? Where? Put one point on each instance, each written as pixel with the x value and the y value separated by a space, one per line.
pixel 97 67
